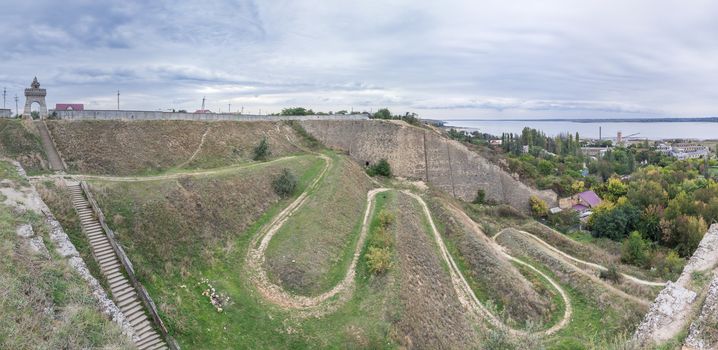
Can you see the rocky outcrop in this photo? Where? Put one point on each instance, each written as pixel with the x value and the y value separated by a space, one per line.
pixel 423 154
pixel 675 307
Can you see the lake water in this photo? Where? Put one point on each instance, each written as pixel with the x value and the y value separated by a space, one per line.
pixel 649 130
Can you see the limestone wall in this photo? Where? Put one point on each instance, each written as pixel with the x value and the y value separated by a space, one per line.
pixel 422 154
pixel 676 305
pixel 5 113
pixel 158 115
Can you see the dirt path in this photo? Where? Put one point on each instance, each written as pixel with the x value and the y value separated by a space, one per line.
pixel 52 156
pixel 593 265
pixel 466 294
pixel 199 148
pixel 176 175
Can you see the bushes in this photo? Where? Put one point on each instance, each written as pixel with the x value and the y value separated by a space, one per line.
pixel 539 208
pixel 611 274
pixel 378 256
pixel 261 151
pixel 480 197
pixel 285 183
pixel 635 249
pixel 381 168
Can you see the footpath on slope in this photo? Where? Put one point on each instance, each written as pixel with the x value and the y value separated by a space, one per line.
pixel 593 265
pixel 53 157
pixel 174 175
pixel 315 306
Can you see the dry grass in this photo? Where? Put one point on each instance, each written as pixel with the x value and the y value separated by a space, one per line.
pixel 148 147
pixel 431 316
pixel 491 276
pixel 19 141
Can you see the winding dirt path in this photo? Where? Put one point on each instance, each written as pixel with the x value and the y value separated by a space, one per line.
pixel 171 176
pixel 593 265
pixel 199 147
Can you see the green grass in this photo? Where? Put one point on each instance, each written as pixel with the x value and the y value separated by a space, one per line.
pixel 19 143
pixel 309 256
pixel 45 304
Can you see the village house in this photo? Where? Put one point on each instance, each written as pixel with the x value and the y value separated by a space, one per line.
pixel 581 202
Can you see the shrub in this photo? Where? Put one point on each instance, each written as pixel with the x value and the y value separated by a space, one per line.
pixel 539 208
pixel 381 168
pixel 480 197
pixel 261 151
pixel 634 249
pixel 285 183
pixel 378 259
pixel 611 274
pixel 386 218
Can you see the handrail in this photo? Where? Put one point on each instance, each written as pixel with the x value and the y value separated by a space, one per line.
pixel 125 261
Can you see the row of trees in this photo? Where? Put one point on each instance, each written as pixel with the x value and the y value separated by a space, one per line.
pixel 384 113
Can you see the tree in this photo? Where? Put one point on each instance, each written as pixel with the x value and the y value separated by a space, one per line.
pixel 614 222
pixel 285 183
pixel 650 222
pixel 644 193
pixel 381 168
pixel 634 249
pixel 382 114
pixel 296 111
pixel 480 197
pixel 261 151
pixel 539 208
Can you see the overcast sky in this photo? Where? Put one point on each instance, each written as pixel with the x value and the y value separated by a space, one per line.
pixel 441 59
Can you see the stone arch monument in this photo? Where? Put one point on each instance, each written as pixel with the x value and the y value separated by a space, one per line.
pixel 32 95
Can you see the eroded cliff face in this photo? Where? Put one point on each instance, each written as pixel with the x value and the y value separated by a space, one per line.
pixel 421 154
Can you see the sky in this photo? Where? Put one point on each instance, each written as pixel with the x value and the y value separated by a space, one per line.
pixel 440 59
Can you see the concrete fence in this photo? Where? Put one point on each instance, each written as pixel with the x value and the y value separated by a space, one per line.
pixel 5 113
pixel 158 115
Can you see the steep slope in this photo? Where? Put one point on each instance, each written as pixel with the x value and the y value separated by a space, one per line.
pixel 417 153
pixel 19 140
pixel 145 147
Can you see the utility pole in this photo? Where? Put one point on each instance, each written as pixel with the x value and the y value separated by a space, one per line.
pixel 229 110
pixel 16 109
pixel 203 104
pixel 242 110
pixel 118 100
pixel 4 93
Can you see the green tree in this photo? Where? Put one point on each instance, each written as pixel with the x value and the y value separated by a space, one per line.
pixel 634 249
pixel 644 193
pixel 261 151
pixel 285 183
pixel 480 197
pixel 381 168
pixel 382 113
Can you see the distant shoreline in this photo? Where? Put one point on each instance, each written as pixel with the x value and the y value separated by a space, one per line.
pixel 599 120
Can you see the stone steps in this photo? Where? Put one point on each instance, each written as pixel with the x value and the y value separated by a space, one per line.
pixel 123 293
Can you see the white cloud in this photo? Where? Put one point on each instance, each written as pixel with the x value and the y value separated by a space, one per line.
pixel 448 58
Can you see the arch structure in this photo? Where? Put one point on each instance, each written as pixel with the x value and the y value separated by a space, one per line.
pixel 32 95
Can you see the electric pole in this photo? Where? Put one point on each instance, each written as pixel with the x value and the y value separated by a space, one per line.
pixel 16 109
pixel 229 110
pixel 203 104
pixel 242 110
pixel 4 93
pixel 118 100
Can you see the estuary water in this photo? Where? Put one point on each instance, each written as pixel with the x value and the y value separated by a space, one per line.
pixel 648 130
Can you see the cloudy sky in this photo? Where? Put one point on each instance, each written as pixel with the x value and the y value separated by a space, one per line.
pixel 441 59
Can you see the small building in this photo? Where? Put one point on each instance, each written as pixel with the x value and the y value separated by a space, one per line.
pixel 69 107
pixel 496 142
pixel 202 111
pixel 595 151
pixel 581 202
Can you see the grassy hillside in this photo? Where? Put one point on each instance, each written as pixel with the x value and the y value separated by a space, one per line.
pixel 44 303
pixel 311 252
pixel 149 147
pixel 184 235
pixel 19 141
pixel 513 294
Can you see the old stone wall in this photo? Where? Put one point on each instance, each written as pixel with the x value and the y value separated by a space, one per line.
pixel 158 115
pixel 676 305
pixel 423 154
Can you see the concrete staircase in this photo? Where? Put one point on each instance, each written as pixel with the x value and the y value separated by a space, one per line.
pixel 123 293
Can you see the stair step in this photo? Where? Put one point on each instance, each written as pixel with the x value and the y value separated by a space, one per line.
pixel 155 343
pixel 126 300
pixel 147 342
